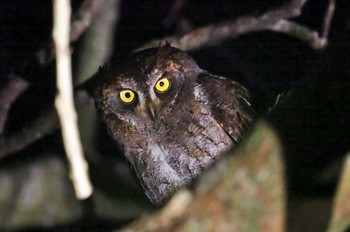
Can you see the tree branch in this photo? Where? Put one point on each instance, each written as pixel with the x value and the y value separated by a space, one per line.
pixel 328 20
pixel 65 104
pixel 274 20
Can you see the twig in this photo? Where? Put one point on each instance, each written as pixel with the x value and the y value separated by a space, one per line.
pixel 302 33
pixel 328 21
pixel 80 21
pixel 9 92
pixel 83 18
pixel 64 101
pixel 173 16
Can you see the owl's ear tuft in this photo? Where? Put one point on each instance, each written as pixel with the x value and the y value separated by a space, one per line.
pixel 164 44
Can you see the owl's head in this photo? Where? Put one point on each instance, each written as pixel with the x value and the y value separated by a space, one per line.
pixel 143 85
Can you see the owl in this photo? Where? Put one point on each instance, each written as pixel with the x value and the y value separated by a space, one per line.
pixel 171 118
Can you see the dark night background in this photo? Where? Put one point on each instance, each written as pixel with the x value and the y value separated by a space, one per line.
pixel 313 121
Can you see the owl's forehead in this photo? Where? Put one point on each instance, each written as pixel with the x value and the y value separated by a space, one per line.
pixel 127 81
pixel 160 69
pixel 140 77
pixel 144 68
pixel 147 70
pixel 153 76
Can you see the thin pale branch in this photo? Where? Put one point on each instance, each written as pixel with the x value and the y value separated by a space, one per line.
pixel 64 101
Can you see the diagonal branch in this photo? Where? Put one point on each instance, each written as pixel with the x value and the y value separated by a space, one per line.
pixel 215 34
pixel 44 125
pixel 275 20
pixel 9 92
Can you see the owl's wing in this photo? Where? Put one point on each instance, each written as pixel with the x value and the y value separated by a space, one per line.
pixel 229 103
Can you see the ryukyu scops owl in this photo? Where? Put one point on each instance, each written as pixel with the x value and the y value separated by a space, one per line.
pixel 171 118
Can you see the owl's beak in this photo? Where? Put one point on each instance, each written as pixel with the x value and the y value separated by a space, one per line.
pixel 151 112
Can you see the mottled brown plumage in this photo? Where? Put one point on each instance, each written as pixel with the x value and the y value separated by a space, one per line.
pixel 171 118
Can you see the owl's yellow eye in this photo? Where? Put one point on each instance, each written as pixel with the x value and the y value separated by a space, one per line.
pixel 127 96
pixel 163 85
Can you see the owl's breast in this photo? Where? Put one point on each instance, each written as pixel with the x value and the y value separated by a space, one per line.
pixel 192 138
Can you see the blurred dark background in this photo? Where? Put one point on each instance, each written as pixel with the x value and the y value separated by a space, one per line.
pixel 313 121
